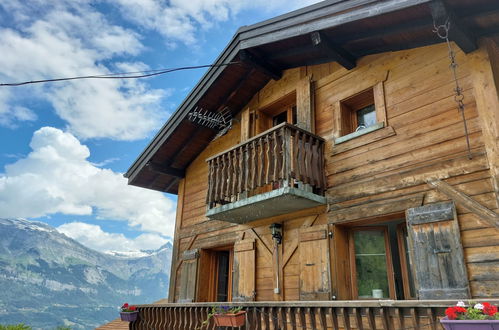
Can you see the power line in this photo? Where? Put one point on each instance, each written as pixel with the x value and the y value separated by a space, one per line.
pixel 122 75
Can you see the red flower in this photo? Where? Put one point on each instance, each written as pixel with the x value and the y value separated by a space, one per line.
pixel 125 305
pixel 489 309
pixel 132 308
pixel 451 314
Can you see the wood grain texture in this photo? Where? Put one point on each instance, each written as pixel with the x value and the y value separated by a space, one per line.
pixel 436 253
pixel 488 216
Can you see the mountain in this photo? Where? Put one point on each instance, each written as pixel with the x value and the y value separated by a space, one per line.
pixel 49 279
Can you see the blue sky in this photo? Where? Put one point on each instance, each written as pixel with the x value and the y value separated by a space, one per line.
pixel 65 145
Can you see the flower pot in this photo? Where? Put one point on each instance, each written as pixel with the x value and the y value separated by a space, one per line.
pixel 129 316
pixel 469 324
pixel 230 320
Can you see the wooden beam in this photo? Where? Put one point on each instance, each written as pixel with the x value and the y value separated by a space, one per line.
pixel 168 170
pixel 461 35
pixel 269 254
pixel 375 209
pixel 333 51
pixel 231 92
pixel 488 216
pixel 485 75
pixel 260 65
pixel 176 242
pixel 171 184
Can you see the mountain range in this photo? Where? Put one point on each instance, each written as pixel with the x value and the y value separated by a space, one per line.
pixel 50 280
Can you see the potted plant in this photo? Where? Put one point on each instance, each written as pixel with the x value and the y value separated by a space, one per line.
pixel 225 316
pixel 128 313
pixel 480 316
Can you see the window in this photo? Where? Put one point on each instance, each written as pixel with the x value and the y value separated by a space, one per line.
pixel 222 275
pixel 361 112
pixel 358 112
pixel 288 115
pixel 378 262
pixel 280 111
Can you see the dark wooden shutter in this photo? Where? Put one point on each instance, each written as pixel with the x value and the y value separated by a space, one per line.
pixel 243 278
pixel 315 283
pixel 436 252
pixel 188 276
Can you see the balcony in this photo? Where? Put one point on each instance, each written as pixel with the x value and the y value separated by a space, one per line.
pixel 373 314
pixel 276 172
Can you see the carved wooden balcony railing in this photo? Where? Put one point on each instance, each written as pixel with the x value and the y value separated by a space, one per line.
pixel 284 156
pixel 378 314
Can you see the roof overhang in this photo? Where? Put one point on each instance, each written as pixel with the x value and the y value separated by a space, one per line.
pixel 335 30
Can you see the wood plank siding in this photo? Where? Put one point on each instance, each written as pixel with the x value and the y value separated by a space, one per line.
pixel 371 178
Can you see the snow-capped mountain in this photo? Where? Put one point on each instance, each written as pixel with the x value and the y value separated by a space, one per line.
pixel 49 279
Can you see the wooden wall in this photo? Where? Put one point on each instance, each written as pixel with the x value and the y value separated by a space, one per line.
pixel 376 174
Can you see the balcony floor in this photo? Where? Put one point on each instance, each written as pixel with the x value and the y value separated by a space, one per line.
pixel 269 204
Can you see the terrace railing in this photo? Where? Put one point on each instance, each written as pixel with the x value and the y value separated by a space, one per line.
pixel 379 314
pixel 284 155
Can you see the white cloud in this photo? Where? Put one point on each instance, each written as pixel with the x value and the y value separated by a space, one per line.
pixel 73 39
pixel 57 177
pixel 181 20
pixel 94 237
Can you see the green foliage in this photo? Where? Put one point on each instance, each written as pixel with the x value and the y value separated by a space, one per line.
pixel 20 326
pixel 473 314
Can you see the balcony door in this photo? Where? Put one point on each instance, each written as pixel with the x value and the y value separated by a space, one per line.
pixel 215 280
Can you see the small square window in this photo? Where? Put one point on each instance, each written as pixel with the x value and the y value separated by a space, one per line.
pixel 358 112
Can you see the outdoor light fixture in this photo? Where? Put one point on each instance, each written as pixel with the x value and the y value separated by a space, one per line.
pixel 276 229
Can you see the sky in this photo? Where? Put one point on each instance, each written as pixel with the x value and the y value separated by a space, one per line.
pixel 64 146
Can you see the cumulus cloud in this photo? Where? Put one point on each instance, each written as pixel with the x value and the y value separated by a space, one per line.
pixel 56 177
pixel 67 39
pixel 94 237
pixel 180 20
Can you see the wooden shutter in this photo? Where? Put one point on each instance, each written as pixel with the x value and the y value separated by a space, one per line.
pixel 188 275
pixel 315 283
pixel 243 279
pixel 436 253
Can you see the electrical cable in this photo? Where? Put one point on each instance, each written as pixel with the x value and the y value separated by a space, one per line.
pixel 123 75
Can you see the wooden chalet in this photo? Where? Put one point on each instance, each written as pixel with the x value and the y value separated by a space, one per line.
pixel 357 185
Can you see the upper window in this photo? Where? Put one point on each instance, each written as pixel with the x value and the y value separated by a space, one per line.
pixel 361 112
pixel 358 112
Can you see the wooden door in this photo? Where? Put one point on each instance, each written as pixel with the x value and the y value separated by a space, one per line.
pixel 243 278
pixel 436 252
pixel 315 277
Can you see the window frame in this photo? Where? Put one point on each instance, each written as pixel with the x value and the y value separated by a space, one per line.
pixel 343 258
pixel 343 129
